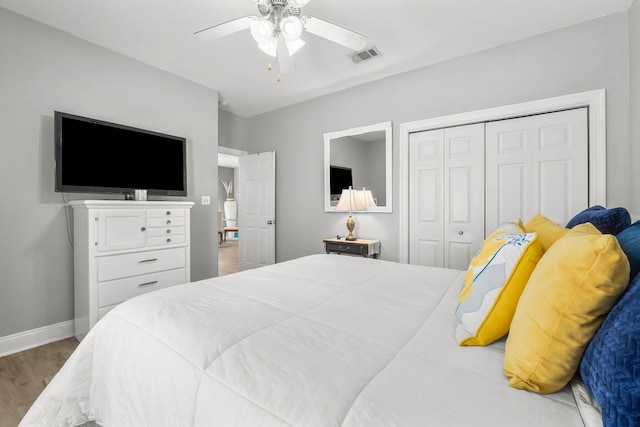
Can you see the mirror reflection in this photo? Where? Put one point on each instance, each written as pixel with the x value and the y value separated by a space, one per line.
pixel 360 158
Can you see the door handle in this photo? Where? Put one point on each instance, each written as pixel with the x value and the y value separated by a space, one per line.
pixel 271 222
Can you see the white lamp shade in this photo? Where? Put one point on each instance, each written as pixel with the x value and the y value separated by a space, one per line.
pixel 291 28
pixel 350 201
pixel 269 46
pixel 262 30
pixel 367 198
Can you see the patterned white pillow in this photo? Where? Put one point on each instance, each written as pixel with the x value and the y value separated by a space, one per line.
pixel 493 285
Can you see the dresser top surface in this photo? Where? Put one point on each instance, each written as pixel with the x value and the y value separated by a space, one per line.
pixel 105 204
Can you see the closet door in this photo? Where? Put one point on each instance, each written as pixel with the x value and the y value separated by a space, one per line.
pixel 537 164
pixel 463 194
pixel 447 196
pixel 426 210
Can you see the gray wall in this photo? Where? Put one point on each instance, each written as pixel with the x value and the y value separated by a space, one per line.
pixel 232 130
pixel 579 58
pixel 634 59
pixel 42 70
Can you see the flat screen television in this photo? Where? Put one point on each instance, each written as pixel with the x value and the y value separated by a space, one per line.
pixel 94 156
pixel 339 179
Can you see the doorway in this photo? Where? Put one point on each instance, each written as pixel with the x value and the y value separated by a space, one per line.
pixel 228 231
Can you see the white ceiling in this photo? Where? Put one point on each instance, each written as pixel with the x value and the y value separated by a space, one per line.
pixel 409 34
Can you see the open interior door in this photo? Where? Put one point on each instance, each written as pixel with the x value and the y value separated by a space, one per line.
pixel 257 210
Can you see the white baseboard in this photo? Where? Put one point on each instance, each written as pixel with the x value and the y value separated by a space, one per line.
pixel 35 337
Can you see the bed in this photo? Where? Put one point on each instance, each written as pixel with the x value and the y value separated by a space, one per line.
pixel 323 340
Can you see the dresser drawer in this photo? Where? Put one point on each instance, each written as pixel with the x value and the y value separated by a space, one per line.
pixel 166 213
pixel 116 291
pixel 166 222
pixel 135 264
pixel 164 231
pixel 166 240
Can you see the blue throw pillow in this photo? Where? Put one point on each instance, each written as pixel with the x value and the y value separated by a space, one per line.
pixel 629 240
pixel 608 221
pixel 610 366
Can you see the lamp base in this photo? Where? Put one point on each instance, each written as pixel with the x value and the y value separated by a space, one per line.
pixel 350 226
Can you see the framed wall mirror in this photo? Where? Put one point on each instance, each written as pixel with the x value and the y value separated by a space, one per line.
pixel 361 158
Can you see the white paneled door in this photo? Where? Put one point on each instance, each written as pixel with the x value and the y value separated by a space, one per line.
pixel 446 195
pixel 537 164
pixel 465 181
pixel 256 212
pixel 426 211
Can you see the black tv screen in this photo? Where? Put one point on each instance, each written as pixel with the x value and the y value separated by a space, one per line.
pixel 339 178
pixel 94 156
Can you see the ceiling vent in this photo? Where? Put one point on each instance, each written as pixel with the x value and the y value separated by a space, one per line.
pixel 365 55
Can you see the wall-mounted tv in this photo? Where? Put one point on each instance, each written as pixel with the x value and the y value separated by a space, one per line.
pixel 339 179
pixel 94 156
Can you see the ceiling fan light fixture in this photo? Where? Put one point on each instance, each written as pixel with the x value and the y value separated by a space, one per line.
pixel 278 29
pixel 269 46
pixel 262 30
pixel 294 45
pixel 291 28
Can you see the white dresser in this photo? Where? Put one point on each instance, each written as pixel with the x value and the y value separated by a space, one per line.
pixel 123 249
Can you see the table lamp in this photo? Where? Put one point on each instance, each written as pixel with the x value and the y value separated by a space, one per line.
pixel 354 200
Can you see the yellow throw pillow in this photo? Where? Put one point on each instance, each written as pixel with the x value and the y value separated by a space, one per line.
pixel 493 285
pixel 548 231
pixel 573 287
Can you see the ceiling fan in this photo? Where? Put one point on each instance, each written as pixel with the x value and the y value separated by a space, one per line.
pixel 278 29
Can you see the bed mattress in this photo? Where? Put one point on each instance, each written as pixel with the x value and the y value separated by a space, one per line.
pixel 323 340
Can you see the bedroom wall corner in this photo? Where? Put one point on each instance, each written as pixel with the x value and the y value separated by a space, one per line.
pixel 44 70
pixel 634 110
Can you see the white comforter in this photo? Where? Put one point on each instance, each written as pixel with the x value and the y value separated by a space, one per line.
pixel 324 340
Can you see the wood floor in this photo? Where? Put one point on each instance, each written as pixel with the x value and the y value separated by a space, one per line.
pixel 228 257
pixel 24 375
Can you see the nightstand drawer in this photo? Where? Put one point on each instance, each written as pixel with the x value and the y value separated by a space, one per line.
pixel 339 247
pixel 135 264
pixel 116 291
pixel 362 247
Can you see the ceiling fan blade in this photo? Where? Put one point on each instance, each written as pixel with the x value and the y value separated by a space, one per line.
pixel 286 63
pixel 224 29
pixel 335 33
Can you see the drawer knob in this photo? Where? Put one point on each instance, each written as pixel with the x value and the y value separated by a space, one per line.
pixel 168 240
pixel 168 221
pixel 461 232
pixel 168 212
pixel 168 231
pixel 143 229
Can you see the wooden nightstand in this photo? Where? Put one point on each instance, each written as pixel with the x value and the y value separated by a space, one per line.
pixel 363 247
